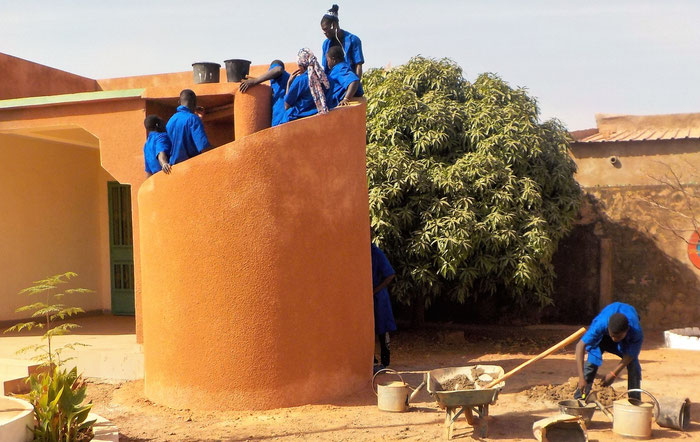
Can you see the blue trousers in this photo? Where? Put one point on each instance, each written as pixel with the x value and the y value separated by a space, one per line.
pixel 634 369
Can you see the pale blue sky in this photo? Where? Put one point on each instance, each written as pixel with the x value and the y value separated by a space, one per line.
pixel 576 57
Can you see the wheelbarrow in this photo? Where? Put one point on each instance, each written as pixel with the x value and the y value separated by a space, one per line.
pixel 488 382
pixel 469 399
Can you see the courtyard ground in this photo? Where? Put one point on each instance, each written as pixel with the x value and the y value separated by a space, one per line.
pixel 671 373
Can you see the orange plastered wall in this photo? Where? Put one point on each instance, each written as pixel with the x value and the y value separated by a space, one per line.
pixel 256 270
pixel 54 220
pixel 22 78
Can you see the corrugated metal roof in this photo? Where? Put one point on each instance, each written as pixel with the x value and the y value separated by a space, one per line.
pixel 619 128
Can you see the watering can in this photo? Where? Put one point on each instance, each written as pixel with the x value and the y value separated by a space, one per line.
pixel 633 418
pixel 394 396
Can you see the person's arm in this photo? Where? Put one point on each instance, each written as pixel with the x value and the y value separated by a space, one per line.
pixel 610 377
pixel 352 90
pixel 275 72
pixel 358 70
pixel 292 94
pixel 199 135
pixel 358 58
pixel 164 164
pixel 580 353
pixel 382 285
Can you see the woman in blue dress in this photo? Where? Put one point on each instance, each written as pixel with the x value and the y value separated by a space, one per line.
pixel 349 43
pixel 307 88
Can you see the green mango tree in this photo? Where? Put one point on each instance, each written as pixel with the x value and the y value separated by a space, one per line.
pixel 469 192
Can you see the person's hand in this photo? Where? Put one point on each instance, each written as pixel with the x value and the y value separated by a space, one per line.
pixel 166 168
pixel 344 102
pixel 583 389
pixel 200 111
pixel 582 383
pixel 609 379
pixel 245 84
pixel 293 75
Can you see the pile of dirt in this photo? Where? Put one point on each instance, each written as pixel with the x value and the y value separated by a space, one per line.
pixel 459 382
pixel 556 393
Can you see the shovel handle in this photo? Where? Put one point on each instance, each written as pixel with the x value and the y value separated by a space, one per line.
pixel 542 355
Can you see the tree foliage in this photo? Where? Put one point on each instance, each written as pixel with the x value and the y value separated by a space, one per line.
pixel 469 191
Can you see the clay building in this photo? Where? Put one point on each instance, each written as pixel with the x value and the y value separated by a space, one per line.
pixel 228 263
pixel 634 240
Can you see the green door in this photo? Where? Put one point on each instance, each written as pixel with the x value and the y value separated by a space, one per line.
pixel 121 248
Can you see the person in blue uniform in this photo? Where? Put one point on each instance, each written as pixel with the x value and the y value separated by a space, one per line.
pixel 278 77
pixel 345 85
pixel 157 147
pixel 186 130
pixel 615 330
pixel 382 275
pixel 307 88
pixel 349 43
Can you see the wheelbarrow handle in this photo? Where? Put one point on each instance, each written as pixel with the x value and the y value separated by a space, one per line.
pixel 387 370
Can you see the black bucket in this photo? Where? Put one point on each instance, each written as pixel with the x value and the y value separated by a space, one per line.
pixel 236 70
pixel 205 72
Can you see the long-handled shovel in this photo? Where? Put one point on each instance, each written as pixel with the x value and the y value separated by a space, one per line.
pixel 542 355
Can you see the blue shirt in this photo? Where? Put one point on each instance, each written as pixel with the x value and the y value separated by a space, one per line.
pixel 301 103
pixel 353 51
pixel 631 345
pixel 187 135
pixel 156 143
pixel 383 315
pixel 340 78
pixel 279 89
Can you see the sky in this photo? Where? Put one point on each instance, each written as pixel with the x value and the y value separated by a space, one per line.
pixel 578 58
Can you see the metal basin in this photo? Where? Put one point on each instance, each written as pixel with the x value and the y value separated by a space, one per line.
pixel 572 407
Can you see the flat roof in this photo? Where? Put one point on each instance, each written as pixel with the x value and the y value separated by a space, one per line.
pixel 79 97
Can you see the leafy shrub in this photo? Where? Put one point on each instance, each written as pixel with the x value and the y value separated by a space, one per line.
pixel 469 192
pixel 58 398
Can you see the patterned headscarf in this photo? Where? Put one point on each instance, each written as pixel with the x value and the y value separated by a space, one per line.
pixel 317 78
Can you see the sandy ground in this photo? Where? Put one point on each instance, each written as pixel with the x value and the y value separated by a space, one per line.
pixel 671 373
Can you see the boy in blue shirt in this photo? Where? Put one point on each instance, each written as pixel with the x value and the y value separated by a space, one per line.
pixel 345 85
pixel 186 130
pixel 157 147
pixel 382 275
pixel 616 330
pixel 278 77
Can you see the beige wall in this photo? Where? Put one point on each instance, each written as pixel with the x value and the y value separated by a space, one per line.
pixel 651 268
pixel 638 161
pixel 53 200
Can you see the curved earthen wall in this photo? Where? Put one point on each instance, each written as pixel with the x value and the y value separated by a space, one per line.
pixel 256 270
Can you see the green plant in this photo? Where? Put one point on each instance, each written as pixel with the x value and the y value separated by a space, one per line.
pixel 58 398
pixel 469 193
pixel 56 394
pixel 47 313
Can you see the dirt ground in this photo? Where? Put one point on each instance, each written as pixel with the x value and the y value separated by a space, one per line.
pixel 666 372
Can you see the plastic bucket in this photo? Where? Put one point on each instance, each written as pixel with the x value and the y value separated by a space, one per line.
pixel 674 413
pixel 236 69
pixel 206 72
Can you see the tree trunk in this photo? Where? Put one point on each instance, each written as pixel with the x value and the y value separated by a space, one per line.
pixel 418 312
